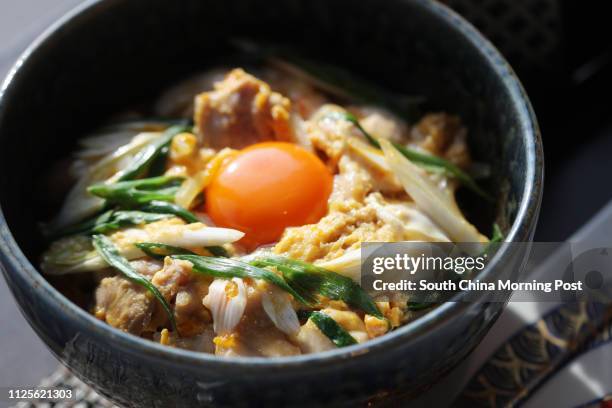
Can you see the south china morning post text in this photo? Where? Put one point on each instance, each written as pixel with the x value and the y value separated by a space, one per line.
pixel 433 272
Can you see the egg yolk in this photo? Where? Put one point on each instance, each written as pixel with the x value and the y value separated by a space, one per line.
pixel 266 188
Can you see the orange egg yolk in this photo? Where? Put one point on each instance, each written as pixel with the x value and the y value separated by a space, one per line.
pixel 266 188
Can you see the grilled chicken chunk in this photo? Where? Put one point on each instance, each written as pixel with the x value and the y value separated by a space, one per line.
pixel 179 285
pixel 240 111
pixel 124 305
pixel 443 135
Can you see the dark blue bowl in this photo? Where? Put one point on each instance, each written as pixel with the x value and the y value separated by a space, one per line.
pixel 108 55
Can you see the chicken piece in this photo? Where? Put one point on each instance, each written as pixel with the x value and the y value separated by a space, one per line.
pixel 177 282
pixel 357 177
pixel 191 316
pixel 329 145
pixel 240 111
pixel 328 132
pixel 382 124
pixel 146 266
pixel 124 305
pixel 443 135
pixel 172 277
pixel 256 334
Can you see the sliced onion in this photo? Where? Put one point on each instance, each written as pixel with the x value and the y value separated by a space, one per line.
pixel 110 138
pixel 436 203
pixel 277 305
pixel 196 235
pixel 406 218
pixel 348 264
pixel 79 204
pixel 371 155
pixel 226 301
pixel 194 185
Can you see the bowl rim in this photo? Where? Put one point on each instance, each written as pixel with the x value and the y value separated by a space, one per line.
pixel 521 229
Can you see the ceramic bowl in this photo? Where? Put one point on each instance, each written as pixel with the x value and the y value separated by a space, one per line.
pixel 109 55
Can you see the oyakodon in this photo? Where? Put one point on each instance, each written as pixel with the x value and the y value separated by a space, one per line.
pixel 235 228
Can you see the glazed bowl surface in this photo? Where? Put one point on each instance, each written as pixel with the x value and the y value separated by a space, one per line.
pixel 108 55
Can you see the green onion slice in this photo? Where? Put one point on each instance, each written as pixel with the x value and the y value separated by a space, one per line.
pixel 143 160
pixel 110 221
pixel 330 328
pixel 159 251
pixel 135 193
pixel 231 268
pixel 310 280
pixel 165 207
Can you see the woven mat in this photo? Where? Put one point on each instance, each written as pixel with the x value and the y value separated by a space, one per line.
pixel 83 395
